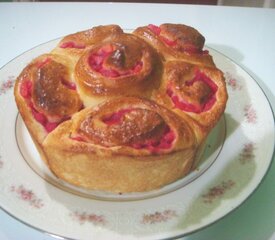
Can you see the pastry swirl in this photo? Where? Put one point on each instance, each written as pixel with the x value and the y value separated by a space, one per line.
pixel 74 45
pixel 197 91
pixel 126 65
pixel 176 41
pixel 47 92
pixel 133 123
pixel 122 112
pixel 131 130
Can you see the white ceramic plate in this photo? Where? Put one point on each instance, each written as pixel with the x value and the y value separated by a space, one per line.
pixel 237 156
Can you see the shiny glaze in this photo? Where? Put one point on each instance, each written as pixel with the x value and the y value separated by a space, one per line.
pixel 125 65
pixel 134 123
pixel 110 61
pixel 180 37
pixel 131 126
pixel 48 93
pixel 81 40
pixel 51 93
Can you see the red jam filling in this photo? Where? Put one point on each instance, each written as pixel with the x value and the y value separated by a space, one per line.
pixel 154 146
pixel 26 89
pixel 189 107
pixel 77 138
pixel 157 30
pixel 97 60
pixel 116 117
pixel 72 44
pixel 26 92
pixel 190 49
pixel 69 85
pixel 42 63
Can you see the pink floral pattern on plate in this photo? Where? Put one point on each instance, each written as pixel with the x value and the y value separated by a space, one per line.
pixel 250 114
pixel 247 153
pixel 6 85
pixel 88 217
pixel 158 217
pixel 218 191
pixel 1 162
pixel 232 82
pixel 27 196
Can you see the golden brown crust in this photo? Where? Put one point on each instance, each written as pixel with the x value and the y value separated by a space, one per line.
pixel 46 94
pixel 172 156
pixel 119 173
pixel 51 92
pixel 76 131
pixel 176 41
pixel 74 45
pixel 122 112
pixel 197 91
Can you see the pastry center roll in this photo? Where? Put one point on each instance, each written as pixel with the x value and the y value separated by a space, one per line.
pixel 125 65
pixel 115 60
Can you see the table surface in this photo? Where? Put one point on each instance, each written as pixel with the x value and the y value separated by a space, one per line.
pixel 246 35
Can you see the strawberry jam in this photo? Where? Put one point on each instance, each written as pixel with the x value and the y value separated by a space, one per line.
pixel 179 44
pixel 72 44
pixel 98 59
pixel 208 100
pixel 116 117
pixel 41 64
pixel 157 30
pixel 67 84
pixel 156 145
pixel 26 93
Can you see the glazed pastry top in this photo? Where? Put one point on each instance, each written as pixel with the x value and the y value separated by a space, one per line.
pixel 162 65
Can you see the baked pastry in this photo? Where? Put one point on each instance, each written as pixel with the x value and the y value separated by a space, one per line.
pixel 196 91
pixel 46 96
pixel 121 65
pixel 122 112
pixel 126 144
pixel 176 41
